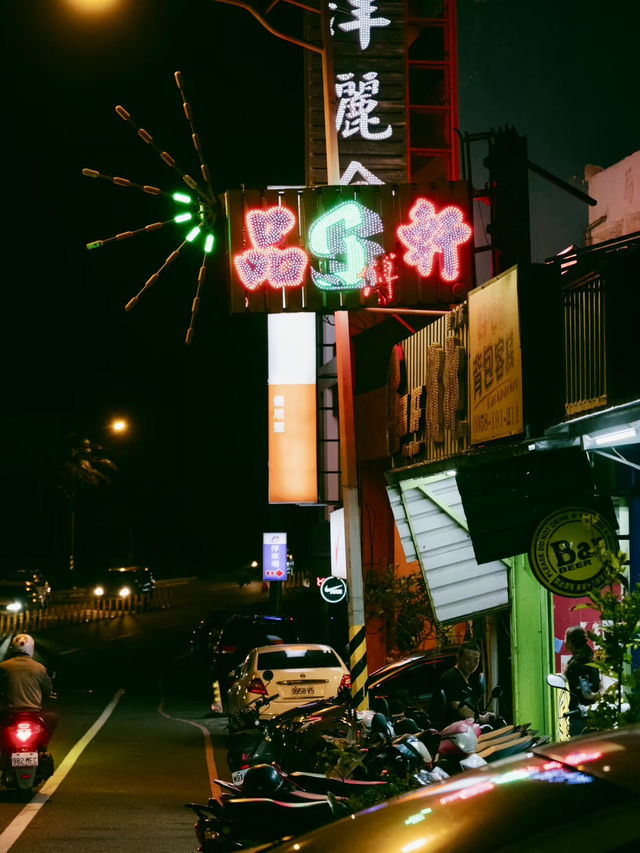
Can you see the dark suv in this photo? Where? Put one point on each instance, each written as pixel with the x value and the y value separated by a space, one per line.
pixel 243 632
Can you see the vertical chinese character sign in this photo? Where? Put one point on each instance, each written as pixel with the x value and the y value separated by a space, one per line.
pixel 367 45
pixel 274 556
pixel 495 381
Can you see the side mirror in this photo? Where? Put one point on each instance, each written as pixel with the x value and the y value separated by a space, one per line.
pixel 267 675
pixel 555 680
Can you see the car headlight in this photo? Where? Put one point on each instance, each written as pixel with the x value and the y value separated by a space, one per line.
pixel 124 591
pixel 14 606
pixel 98 590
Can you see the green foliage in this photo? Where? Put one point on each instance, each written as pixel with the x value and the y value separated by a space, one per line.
pixel 402 603
pixel 341 757
pixel 620 635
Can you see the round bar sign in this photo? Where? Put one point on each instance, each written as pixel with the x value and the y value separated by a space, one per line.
pixel 564 553
pixel 333 590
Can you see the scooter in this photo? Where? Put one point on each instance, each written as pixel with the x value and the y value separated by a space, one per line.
pixel 24 760
pixel 267 805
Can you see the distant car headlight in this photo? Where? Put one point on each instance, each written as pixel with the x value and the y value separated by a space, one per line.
pixel 98 590
pixel 124 591
pixel 14 606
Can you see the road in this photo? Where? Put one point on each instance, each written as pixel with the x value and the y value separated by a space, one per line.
pixel 134 714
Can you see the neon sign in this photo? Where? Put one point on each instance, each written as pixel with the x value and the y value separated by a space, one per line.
pixel 379 245
pixel 341 233
pixel 430 234
pixel 265 261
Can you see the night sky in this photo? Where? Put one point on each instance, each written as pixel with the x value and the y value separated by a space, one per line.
pixel 191 486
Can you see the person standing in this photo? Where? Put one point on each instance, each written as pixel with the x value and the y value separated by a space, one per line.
pixel 583 676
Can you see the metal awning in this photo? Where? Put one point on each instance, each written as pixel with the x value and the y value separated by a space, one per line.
pixel 432 526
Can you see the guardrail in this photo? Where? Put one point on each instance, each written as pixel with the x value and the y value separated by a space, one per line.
pixel 76 613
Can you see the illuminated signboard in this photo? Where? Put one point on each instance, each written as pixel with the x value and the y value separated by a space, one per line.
pixel 327 248
pixel 367 44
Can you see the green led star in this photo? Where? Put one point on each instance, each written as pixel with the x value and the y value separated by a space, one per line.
pixel 200 213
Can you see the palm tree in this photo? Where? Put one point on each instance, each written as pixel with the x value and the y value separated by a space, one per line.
pixel 87 466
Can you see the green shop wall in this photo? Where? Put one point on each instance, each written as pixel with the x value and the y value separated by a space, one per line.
pixel 532 650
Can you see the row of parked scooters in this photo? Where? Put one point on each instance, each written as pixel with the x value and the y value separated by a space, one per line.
pixel 308 766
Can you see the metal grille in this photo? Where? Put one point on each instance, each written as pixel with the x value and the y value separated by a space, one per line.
pixel 585 347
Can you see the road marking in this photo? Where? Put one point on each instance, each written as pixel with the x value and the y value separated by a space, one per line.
pixel 208 748
pixel 123 636
pixel 69 651
pixel 22 820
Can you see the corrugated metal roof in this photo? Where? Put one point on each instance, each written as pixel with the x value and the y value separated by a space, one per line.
pixel 432 527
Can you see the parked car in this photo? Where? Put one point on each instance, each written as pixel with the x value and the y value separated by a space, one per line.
pixel 124 581
pixel 408 684
pixel 295 673
pixel 205 635
pixel 23 589
pixel 582 793
pixel 243 632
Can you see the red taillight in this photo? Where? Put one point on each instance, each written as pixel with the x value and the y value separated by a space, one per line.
pixel 256 686
pixel 21 733
pixel 229 650
pixel 345 684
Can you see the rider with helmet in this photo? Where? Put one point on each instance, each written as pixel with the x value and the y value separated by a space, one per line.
pixel 25 684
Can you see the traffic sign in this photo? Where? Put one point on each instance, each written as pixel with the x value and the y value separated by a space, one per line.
pixel 333 590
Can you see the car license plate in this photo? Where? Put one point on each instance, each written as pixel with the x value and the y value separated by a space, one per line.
pixel 237 776
pixel 303 691
pixel 24 759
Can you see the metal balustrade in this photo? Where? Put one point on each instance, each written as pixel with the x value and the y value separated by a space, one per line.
pixel 585 346
pixel 75 613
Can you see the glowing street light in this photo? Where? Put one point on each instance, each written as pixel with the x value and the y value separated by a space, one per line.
pixel 119 425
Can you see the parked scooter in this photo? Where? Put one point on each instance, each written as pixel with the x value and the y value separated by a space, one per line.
pixel 24 759
pixel 267 805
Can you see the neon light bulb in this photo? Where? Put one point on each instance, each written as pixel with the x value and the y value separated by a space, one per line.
pixel 191 236
pixel 183 217
pixel 208 243
pixel 182 198
pixel 269 227
pixel 430 234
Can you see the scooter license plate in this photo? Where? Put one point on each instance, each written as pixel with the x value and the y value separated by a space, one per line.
pixel 24 759
pixel 237 776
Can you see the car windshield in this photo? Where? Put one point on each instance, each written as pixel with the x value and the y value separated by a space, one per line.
pixel 298 659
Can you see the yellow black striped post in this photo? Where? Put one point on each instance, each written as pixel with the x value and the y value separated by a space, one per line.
pixel 358 666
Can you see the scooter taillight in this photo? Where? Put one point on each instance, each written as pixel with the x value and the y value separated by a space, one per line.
pixel 21 734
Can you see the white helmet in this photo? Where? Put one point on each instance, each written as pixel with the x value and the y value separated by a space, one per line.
pixel 23 644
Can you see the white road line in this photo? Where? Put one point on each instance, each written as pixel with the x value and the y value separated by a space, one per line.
pixel 69 651
pixel 123 637
pixel 208 748
pixel 22 820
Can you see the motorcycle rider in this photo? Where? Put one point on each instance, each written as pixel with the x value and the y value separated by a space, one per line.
pixel 25 684
pixel 460 695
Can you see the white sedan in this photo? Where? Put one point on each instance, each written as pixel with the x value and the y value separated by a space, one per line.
pixel 297 672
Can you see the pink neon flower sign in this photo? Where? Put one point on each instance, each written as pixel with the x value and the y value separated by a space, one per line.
pixel 265 261
pixel 430 233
